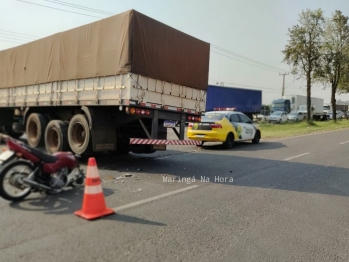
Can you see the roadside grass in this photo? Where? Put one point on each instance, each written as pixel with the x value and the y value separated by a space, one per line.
pixel 300 128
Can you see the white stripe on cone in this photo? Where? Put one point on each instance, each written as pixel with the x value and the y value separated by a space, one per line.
pixel 92 190
pixel 92 172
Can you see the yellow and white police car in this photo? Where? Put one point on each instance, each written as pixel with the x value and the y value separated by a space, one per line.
pixel 224 126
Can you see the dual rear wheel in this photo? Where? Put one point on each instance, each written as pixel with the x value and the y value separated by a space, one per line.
pixel 57 135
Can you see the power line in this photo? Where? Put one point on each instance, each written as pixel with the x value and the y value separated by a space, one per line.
pixel 260 87
pixel 245 58
pixel 245 62
pixel 79 7
pixel 13 35
pixel 5 40
pixel 58 9
pixel 19 33
pixel 13 38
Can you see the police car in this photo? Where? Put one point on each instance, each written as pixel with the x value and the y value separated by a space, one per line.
pixel 224 126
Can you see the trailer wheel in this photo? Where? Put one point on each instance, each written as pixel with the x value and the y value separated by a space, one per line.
pixel 35 129
pixel 56 136
pixel 79 136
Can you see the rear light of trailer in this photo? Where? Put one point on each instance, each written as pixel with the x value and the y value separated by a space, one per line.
pixel 138 111
pixel 194 118
pixel 215 125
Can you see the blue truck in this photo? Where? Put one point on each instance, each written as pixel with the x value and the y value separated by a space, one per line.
pixel 247 101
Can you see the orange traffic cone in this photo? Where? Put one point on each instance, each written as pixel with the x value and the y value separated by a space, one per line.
pixel 94 203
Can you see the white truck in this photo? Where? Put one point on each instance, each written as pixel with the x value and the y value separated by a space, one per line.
pixel 298 103
pixel 113 85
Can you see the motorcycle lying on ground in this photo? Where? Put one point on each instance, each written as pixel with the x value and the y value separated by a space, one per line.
pixel 24 170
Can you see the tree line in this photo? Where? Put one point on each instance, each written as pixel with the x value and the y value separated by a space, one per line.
pixel 318 49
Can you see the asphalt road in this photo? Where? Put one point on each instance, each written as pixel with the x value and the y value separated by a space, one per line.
pixel 281 200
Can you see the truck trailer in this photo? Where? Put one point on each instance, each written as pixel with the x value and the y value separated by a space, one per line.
pixel 247 101
pixel 113 85
pixel 298 103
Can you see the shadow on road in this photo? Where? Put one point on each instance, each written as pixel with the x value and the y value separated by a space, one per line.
pixel 245 146
pixel 66 202
pixel 131 219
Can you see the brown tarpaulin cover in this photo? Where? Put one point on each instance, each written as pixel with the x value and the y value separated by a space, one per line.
pixel 129 42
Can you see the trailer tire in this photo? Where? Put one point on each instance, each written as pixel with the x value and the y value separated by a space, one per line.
pixel 35 129
pixel 79 136
pixel 56 136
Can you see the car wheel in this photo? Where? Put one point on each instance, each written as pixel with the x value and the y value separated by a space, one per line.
pixel 257 137
pixel 229 142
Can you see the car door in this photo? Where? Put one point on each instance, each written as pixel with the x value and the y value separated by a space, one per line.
pixel 284 117
pixel 235 121
pixel 248 130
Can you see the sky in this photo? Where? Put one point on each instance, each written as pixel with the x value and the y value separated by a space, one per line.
pixel 246 36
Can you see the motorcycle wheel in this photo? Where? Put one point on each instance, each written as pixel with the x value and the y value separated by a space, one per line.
pixel 11 177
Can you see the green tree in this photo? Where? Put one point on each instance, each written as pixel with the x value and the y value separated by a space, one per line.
pixel 303 50
pixel 334 60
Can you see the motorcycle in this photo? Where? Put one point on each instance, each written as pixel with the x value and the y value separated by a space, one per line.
pixel 24 170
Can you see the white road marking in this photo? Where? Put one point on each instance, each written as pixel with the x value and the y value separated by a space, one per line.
pixel 344 142
pixel 296 156
pixel 116 209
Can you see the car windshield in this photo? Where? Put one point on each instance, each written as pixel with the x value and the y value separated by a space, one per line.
pixel 208 117
pixel 277 113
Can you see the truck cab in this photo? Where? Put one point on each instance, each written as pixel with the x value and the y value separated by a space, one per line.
pixel 281 105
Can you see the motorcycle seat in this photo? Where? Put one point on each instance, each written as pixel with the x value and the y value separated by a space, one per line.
pixel 47 158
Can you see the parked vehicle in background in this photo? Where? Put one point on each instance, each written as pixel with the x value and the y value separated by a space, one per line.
pixel 246 101
pixel 299 103
pixel 339 115
pixel 346 115
pixel 327 109
pixel 224 126
pixel 278 117
pixel 342 106
pixel 295 116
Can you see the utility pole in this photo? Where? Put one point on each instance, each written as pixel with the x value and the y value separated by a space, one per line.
pixel 283 84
